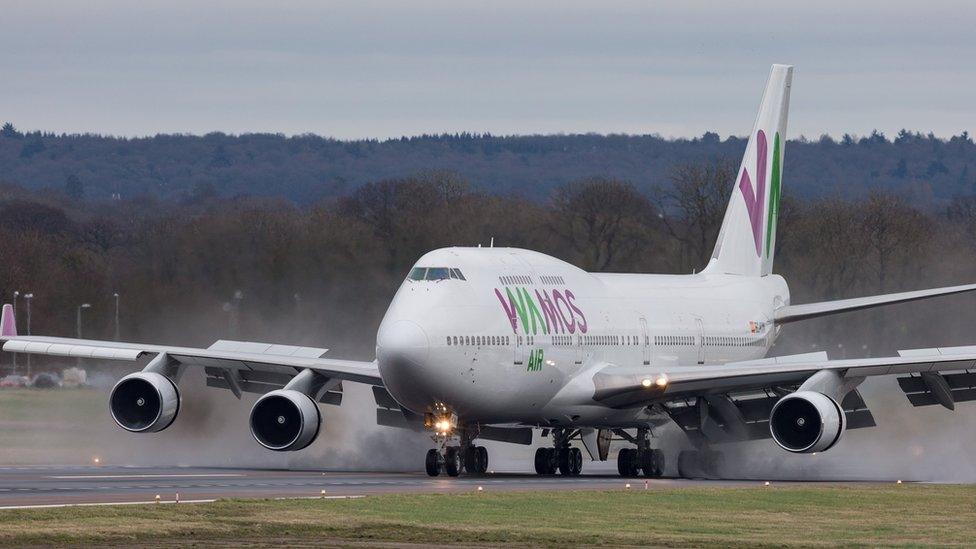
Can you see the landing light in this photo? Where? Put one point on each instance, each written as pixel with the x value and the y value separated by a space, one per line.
pixel 661 381
pixel 646 382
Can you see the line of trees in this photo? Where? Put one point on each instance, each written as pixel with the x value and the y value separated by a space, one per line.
pixel 308 168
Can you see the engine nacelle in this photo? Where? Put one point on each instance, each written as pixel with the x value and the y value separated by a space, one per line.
pixel 144 402
pixel 285 420
pixel 807 421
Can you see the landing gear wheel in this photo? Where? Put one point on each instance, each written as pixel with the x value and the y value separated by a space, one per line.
pixel 452 461
pixel 540 461
pixel 471 460
pixel 482 460
pixel 712 463
pixel 659 463
pixel 689 464
pixel 565 461
pixel 433 462
pixel 622 461
pixel 652 463
pixel 627 464
pixel 576 466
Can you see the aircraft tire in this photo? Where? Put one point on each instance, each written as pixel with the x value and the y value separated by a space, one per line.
pixel 482 460
pixel 565 461
pixel 471 460
pixel 452 461
pixel 541 461
pixel 689 464
pixel 577 466
pixel 627 464
pixel 433 463
pixel 659 463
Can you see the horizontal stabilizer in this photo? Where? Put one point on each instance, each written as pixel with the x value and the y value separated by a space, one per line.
pixel 792 313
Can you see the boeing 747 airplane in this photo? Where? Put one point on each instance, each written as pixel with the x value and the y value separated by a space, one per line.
pixel 497 343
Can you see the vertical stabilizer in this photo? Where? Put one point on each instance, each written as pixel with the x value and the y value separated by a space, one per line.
pixel 747 241
pixel 8 324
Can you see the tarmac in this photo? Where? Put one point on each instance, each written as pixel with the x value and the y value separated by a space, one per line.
pixel 37 486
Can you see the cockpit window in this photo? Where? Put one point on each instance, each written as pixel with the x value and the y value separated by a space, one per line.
pixel 435 273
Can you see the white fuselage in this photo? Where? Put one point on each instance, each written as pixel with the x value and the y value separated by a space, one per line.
pixel 500 344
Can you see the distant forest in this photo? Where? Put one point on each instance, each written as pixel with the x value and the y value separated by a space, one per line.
pixel 306 169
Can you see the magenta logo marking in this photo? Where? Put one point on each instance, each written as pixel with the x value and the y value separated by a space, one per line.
pixel 548 312
pixel 755 201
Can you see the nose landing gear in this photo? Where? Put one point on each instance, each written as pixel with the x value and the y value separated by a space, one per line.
pixel 453 460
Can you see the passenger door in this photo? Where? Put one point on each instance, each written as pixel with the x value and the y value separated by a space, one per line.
pixel 645 341
pixel 701 340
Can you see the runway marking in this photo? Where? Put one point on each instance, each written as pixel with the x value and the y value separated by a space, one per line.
pixel 100 504
pixel 177 475
pixel 319 497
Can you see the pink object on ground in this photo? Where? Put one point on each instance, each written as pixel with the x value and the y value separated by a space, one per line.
pixel 8 324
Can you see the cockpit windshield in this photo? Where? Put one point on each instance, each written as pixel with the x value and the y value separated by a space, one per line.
pixel 435 273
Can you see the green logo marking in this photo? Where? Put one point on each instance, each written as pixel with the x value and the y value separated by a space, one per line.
pixel 773 196
pixel 535 361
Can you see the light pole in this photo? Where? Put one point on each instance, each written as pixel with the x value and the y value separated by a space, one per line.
pixel 28 297
pixel 80 307
pixel 14 355
pixel 116 295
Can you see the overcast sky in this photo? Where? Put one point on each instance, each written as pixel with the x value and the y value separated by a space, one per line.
pixel 379 69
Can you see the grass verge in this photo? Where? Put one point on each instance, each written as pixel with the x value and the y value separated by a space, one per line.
pixel 761 516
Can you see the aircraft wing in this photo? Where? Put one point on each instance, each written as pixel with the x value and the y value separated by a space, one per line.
pixel 924 380
pixel 792 313
pixel 245 359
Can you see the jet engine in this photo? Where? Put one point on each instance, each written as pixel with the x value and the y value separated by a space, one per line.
pixel 285 420
pixel 144 402
pixel 807 421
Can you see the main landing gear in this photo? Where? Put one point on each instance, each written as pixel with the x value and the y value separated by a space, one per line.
pixel 455 459
pixel 631 462
pixel 562 457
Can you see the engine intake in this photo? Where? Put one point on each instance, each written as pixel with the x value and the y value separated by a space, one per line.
pixel 285 420
pixel 144 402
pixel 807 421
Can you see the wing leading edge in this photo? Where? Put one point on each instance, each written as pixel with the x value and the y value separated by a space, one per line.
pixel 228 355
pixel 793 313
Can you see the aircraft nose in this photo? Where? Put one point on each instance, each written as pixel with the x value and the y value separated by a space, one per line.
pixel 403 339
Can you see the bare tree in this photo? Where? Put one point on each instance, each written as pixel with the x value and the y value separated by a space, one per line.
pixel 694 206
pixel 891 228
pixel 605 220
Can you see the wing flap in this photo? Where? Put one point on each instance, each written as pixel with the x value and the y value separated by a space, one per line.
pixel 75 351
pixel 626 387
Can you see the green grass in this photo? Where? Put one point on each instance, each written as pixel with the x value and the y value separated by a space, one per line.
pixel 906 515
pixel 51 405
pixel 51 425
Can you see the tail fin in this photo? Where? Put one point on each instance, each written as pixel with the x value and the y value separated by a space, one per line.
pixel 746 242
pixel 8 324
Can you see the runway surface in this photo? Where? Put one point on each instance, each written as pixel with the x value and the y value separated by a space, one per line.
pixel 60 485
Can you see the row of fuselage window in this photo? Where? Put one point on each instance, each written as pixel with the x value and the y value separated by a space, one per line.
pixel 605 340
pixel 710 341
pixel 524 279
